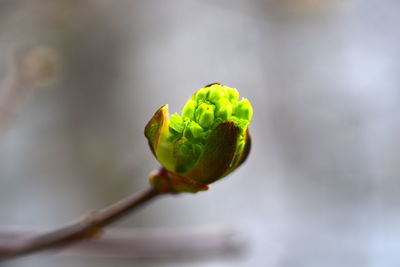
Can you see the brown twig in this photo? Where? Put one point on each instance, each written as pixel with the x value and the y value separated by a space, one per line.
pixel 85 228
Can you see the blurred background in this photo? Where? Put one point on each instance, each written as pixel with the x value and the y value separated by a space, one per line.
pixel 79 80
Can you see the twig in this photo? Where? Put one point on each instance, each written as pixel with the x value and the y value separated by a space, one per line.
pixel 85 228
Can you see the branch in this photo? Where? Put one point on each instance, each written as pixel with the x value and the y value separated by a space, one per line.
pixel 85 228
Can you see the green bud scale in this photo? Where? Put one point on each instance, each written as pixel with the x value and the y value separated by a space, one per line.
pixel 206 142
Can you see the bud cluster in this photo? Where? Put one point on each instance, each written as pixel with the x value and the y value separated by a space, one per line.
pixel 207 141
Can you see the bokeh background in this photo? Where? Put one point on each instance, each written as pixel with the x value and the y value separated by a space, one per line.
pixel 321 185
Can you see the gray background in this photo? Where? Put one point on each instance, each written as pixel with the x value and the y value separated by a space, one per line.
pixel 320 187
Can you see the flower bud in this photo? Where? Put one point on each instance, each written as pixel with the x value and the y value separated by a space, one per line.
pixel 208 141
pixel 205 115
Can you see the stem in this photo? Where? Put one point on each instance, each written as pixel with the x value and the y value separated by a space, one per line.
pixel 81 229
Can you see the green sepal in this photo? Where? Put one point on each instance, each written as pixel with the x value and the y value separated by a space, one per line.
pixel 153 129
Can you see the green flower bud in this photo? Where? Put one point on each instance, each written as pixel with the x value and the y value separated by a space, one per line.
pixel 193 131
pixel 188 109
pixel 224 111
pixel 208 141
pixel 176 123
pixel 244 110
pixel 204 115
